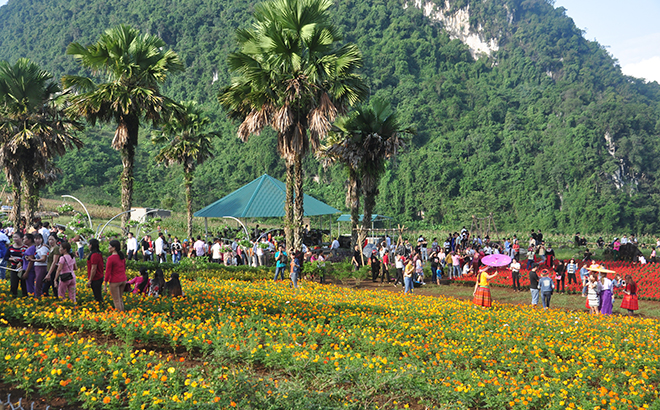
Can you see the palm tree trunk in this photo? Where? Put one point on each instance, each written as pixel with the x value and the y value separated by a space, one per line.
pixel 187 182
pixel 15 215
pixel 288 205
pixel 370 190
pixel 128 161
pixel 353 203
pixel 31 198
pixel 298 207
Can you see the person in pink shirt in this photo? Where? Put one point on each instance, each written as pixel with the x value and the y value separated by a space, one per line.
pixel 65 273
pixel 115 274
pixel 141 283
pixel 615 247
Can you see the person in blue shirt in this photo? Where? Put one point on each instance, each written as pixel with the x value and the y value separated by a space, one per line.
pixel 296 267
pixel 282 259
pixel 546 287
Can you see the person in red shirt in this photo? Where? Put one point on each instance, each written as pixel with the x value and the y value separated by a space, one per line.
pixel 95 270
pixel 115 274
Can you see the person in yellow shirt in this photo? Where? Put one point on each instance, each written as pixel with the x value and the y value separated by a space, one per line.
pixel 481 294
pixel 408 276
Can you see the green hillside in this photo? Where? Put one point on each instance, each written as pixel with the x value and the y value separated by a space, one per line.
pixel 545 132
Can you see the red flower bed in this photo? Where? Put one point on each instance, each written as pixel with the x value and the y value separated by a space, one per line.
pixel 646 276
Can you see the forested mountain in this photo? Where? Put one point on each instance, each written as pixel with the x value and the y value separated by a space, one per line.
pixel 516 113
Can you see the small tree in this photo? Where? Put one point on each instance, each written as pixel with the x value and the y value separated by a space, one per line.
pixel 186 143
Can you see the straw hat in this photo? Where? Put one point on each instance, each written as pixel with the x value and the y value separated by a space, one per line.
pixel 599 268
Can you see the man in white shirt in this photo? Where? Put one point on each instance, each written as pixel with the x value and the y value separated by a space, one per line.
pixel 45 231
pixel 131 247
pixel 216 251
pixel 421 242
pixel 259 253
pixel 158 245
pixel 334 246
pixel 515 275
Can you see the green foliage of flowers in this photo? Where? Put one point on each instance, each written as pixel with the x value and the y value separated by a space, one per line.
pixel 324 346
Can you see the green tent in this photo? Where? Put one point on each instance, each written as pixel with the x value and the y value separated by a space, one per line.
pixel 262 198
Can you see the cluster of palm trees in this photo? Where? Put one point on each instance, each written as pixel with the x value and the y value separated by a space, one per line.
pixel 290 73
pixel 39 121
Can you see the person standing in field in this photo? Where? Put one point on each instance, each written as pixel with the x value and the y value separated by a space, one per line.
pixel 131 247
pixel 455 265
pixel 630 299
pixel 408 276
pixel 28 262
pixel 571 269
pixel 296 267
pixel 282 260
pixel 515 274
pixel 481 295
pixel 65 273
pixel 95 270
pixel 375 265
pixel 593 293
pixel 115 274
pixel 534 285
pixel 399 264
pixel 40 260
pixel 546 287
pixel 53 262
pixel 560 275
pixel 530 257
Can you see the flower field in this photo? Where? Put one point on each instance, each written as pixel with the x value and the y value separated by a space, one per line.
pixel 263 345
pixel 647 277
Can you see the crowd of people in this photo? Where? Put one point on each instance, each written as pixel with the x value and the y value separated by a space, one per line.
pixel 42 261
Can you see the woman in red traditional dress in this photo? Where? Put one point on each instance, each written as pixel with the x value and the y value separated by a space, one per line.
pixel 630 299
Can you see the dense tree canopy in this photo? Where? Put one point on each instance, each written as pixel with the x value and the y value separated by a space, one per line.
pixel 547 132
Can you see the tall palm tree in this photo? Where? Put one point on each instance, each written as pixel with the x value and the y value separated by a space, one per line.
pixel 187 144
pixel 291 75
pixel 34 129
pixel 136 66
pixel 364 141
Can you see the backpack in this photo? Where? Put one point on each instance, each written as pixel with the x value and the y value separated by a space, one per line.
pixel 284 259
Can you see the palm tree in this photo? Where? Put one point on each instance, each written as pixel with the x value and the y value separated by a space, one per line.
pixel 186 144
pixel 364 141
pixel 34 129
pixel 291 75
pixel 341 147
pixel 135 65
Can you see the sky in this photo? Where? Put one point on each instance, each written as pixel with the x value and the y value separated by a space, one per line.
pixel 627 28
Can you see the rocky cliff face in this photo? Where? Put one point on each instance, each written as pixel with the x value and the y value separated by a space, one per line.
pixel 457 24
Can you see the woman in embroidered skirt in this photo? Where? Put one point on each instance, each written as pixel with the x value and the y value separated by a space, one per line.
pixel 630 299
pixel 481 294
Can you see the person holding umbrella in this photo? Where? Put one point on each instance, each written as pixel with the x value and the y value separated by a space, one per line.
pixel 607 288
pixel 481 295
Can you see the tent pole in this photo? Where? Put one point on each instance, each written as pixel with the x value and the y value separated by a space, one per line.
pixel 206 229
